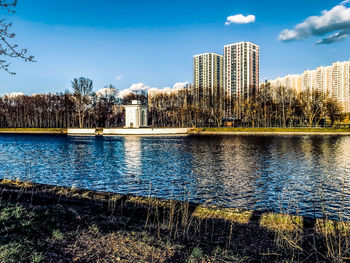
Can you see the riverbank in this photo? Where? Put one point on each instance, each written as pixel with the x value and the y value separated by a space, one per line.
pixel 34 130
pixel 175 131
pixel 273 131
pixel 42 223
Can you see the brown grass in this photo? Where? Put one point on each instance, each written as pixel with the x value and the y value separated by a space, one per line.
pixel 90 226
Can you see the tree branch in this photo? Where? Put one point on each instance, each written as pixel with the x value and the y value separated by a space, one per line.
pixel 7 49
pixel 8 5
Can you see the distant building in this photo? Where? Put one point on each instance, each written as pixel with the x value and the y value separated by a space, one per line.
pixel 135 115
pixel 219 81
pixel 241 72
pixel 289 81
pixel 333 80
pixel 207 78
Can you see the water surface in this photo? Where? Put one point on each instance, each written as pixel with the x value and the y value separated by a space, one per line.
pixel 309 175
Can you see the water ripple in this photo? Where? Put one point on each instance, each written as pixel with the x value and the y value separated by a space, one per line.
pixel 308 175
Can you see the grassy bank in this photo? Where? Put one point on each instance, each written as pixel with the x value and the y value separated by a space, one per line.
pixel 43 223
pixel 278 130
pixel 33 130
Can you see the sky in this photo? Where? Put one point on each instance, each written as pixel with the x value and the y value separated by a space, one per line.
pixel 144 44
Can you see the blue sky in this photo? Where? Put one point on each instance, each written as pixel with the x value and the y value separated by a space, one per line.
pixel 152 42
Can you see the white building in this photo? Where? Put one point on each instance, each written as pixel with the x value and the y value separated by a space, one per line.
pixel 135 115
pixel 333 80
pixel 207 78
pixel 241 72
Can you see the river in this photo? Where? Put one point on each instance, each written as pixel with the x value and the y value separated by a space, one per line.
pixel 307 175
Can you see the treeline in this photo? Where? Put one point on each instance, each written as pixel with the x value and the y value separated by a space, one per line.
pixel 186 107
pixel 270 107
pixel 284 107
pixel 57 111
pixel 80 108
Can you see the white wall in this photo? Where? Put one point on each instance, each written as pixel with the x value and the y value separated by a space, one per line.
pixel 145 131
pixel 81 131
pixel 133 115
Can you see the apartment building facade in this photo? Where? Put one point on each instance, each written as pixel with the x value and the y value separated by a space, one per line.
pixel 241 73
pixel 333 80
pixel 207 78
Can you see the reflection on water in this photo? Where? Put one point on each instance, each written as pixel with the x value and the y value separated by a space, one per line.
pixel 132 155
pixel 297 174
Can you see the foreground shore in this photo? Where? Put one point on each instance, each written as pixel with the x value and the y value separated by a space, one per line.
pixel 42 223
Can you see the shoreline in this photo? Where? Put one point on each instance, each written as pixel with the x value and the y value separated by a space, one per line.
pixel 72 225
pixel 191 132
pixel 33 131
pixel 271 133
pixel 66 193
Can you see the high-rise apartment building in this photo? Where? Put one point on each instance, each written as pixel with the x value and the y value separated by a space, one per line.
pixel 333 80
pixel 341 83
pixel 241 72
pixel 289 81
pixel 207 78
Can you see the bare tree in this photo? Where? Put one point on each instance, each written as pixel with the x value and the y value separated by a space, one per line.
pixel 283 99
pixel 7 48
pixel 265 98
pixel 333 110
pixel 313 105
pixel 82 88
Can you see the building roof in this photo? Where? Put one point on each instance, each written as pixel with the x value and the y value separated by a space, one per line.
pixel 241 43
pixel 207 54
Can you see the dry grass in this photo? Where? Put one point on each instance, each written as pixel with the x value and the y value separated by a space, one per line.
pixel 281 222
pixel 93 246
pixel 103 227
pixel 229 214
pixel 16 183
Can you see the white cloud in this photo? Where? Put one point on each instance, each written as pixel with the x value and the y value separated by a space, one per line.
pixel 175 87
pixel 147 88
pixel 119 77
pixel 345 2
pixel 240 19
pixel 156 90
pixel 180 85
pixel 106 92
pixel 134 87
pixel 338 18
pixel 14 94
pixel 139 86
